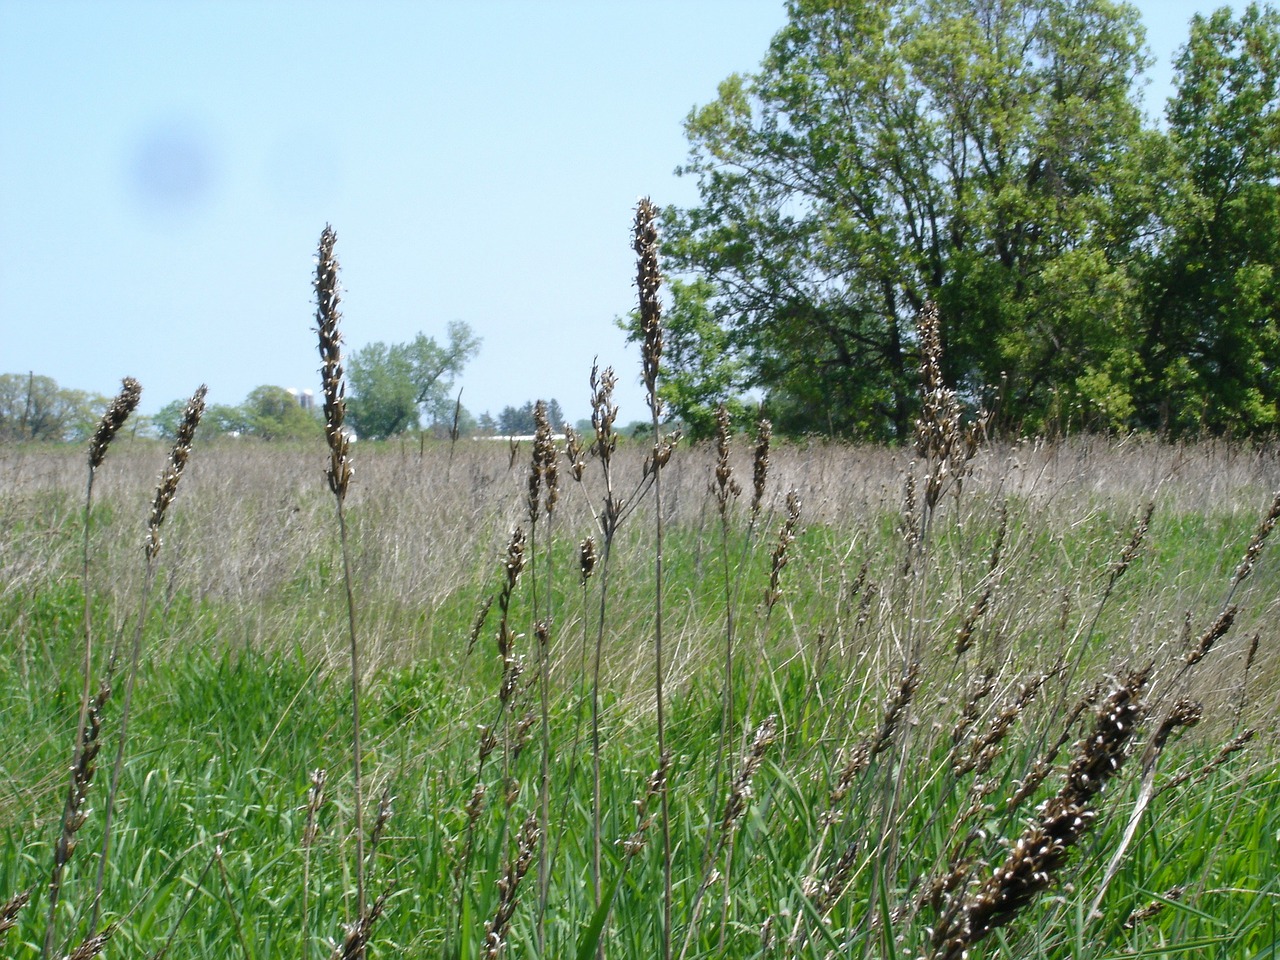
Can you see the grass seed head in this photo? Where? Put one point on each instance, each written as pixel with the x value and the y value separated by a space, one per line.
pixel 648 282
pixel 724 487
pixel 167 489
pixel 1212 634
pixel 359 931
pixel 760 464
pixel 586 559
pixel 1259 538
pixel 92 945
pixel 315 800
pixel 333 385
pixel 604 412
pixel 495 930
pixel 9 911
pixel 575 453
pixel 117 413
pixel 781 551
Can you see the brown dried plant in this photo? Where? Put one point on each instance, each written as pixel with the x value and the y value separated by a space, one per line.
pixel 782 551
pixel 9 912
pixel 760 465
pixel 945 442
pixel 495 930
pixel 359 931
pixel 1042 849
pixel 166 491
pixel 648 282
pixel 89 723
pixel 339 475
pixel 735 807
pixel 315 800
pixel 91 945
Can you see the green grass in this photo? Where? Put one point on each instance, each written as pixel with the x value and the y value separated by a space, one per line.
pixel 242 694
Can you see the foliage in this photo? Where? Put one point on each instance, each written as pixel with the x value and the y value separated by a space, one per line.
pixel 273 413
pixel 1212 344
pixel 991 156
pixel 855 815
pixel 392 385
pixel 35 408
pixel 519 422
pixel 702 368
pixel 269 413
pixel 890 153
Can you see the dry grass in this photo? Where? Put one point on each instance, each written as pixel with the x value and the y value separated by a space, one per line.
pixel 921 712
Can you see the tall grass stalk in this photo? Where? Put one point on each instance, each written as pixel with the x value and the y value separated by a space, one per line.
pixel 724 490
pixel 166 490
pixel 87 727
pixel 339 475
pixel 603 414
pixel 648 281
pixel 544 491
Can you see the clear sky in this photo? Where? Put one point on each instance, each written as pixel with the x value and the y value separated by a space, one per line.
pixel 166 169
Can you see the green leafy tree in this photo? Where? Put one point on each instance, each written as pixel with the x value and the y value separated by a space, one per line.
pixel 519 421
pixel 893 151
pixel 35 408
pixel 273 413
pixel 393 385
pixel 1211 348
pixel 218 419
pixel 703 370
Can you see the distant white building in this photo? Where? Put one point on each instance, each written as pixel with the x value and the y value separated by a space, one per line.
pixel 306 398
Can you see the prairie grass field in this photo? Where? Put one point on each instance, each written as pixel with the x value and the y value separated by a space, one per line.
pixel 874 707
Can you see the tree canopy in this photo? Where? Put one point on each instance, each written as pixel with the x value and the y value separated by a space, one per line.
pixel 990 155
pixel 519 421
pixel 393 385
pixel 268 413
pixel 34 407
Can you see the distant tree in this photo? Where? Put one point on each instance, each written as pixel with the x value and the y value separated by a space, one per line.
pixel 35 408
pixel 518 421
pixel 702 368
pixel 273 413
pixel 486 425
pixel 555 416
pixel 1211 350
pixel 889 152
pixel 393 385
pixel 467 424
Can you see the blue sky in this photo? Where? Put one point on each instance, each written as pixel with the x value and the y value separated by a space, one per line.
pixel 166 169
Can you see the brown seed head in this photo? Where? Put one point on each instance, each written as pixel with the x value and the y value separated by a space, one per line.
pixel 509 888
pixel 781 555
pixel 167 489
pixel 574 453
pixel 359 931
pixel 587 558
pixel 123 405
pixel 1212 634
pixel 92 945
pixel 10 910
pixel 1259 538
pixel 724 487
pixel 760 467
pixel 648 281
pixel 603 412
pixel 330 345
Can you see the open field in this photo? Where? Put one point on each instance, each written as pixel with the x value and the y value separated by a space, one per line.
pixel 863 716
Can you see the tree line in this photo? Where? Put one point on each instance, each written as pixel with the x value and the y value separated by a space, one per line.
pixel 1093 267
pixel 395 388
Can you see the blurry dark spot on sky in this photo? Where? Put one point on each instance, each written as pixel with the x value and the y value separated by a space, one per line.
pixel 172 169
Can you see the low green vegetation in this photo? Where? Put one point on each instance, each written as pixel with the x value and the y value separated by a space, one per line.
pixel 857 781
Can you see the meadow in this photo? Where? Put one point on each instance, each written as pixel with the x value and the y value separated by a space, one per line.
pixel 1022 707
